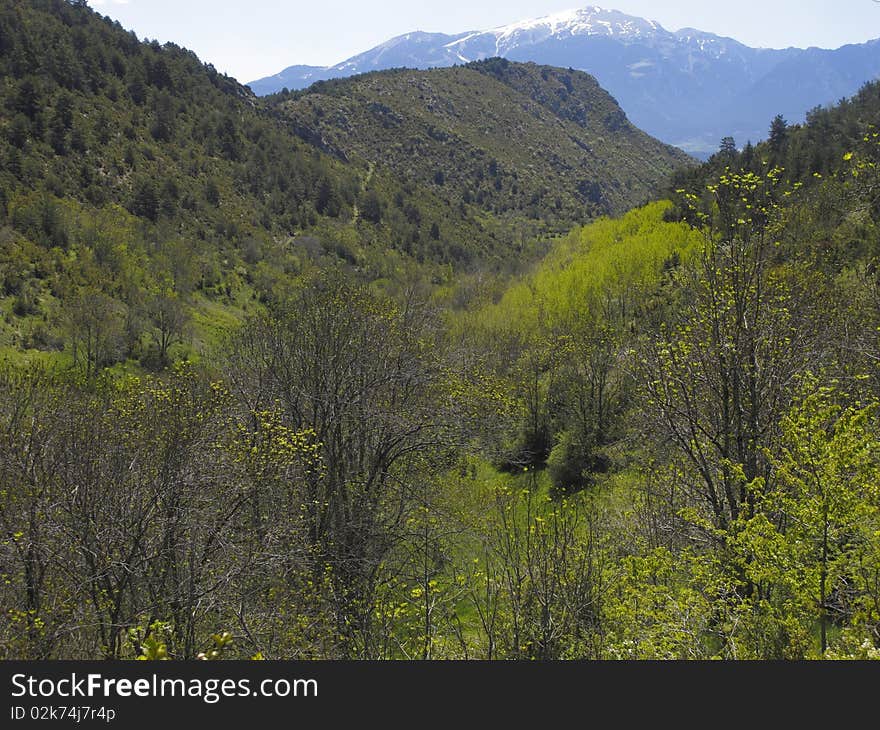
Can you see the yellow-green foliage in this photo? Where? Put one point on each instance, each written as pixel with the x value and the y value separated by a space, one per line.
pixel 609 258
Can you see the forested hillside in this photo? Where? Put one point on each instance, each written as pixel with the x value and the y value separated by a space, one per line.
pixel 518 139
pixel 140 189
pixel 659 441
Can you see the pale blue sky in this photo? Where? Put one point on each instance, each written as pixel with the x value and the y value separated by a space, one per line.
pixel 257 38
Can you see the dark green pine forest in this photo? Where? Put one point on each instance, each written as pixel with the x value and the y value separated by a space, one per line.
pixel 447 364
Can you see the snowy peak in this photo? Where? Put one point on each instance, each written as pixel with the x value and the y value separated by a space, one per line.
pixel 589 21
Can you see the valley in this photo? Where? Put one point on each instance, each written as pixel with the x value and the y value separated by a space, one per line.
pixel 448 363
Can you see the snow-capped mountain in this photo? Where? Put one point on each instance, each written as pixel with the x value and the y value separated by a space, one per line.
pixel 686 87
pixel 590 21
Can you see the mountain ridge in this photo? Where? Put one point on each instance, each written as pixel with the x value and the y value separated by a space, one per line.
pixel 687 87
pixel 515 136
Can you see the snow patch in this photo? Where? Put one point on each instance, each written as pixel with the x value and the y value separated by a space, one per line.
pixel 591 20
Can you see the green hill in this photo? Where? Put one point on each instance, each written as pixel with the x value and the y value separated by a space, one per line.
pixel 512 139
pixel 89 112
pixel 134 179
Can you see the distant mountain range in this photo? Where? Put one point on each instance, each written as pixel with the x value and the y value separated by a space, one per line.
pixel 688 88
